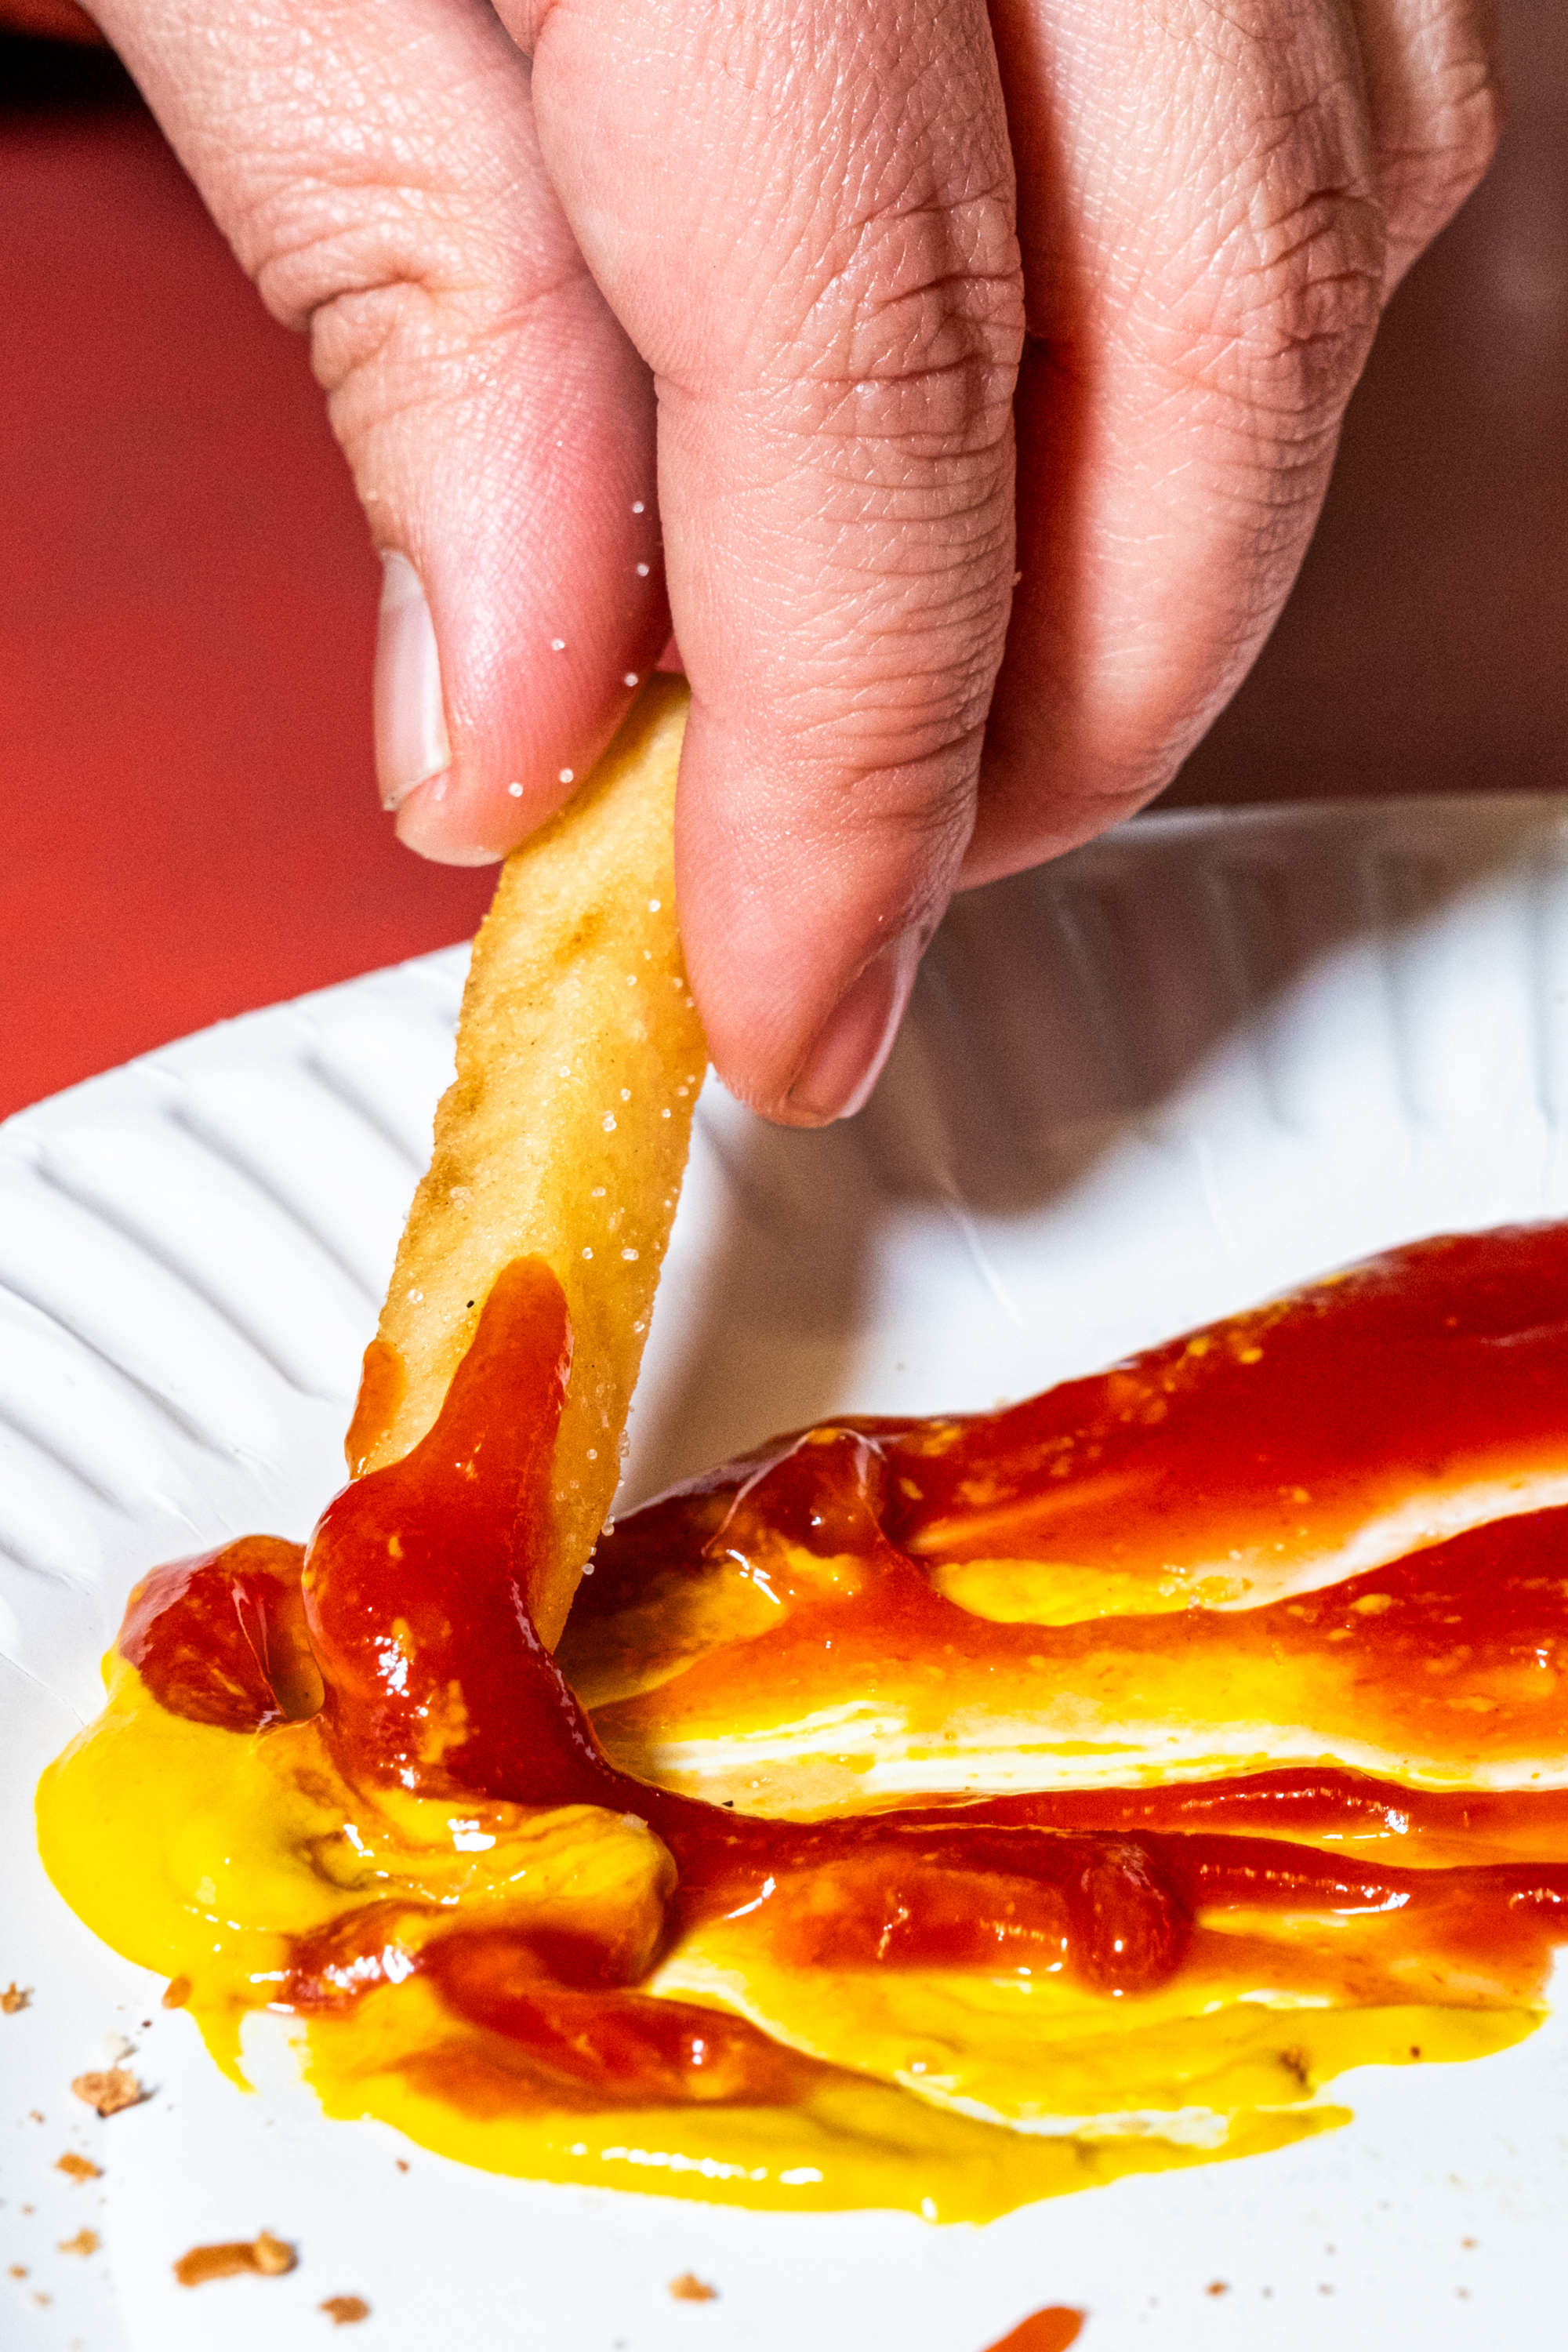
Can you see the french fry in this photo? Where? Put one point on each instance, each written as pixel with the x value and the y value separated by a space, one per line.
pixel 565 1136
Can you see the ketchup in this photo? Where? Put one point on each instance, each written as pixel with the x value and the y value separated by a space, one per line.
pixel 408 1622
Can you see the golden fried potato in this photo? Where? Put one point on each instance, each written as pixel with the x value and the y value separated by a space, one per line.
pixel 580 1056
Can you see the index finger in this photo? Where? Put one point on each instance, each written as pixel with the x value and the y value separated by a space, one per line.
pixel 803 215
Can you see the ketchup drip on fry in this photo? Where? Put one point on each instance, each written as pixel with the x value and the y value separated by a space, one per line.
pixel 416 1634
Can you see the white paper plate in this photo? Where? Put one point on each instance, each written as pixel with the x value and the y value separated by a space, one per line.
pixel 1202 1058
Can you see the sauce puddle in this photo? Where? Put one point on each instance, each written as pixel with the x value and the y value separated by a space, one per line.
pixel 352 1789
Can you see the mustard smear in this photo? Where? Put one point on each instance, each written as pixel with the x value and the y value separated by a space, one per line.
pixel 205 1853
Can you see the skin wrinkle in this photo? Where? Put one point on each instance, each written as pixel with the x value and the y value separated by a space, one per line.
pixel 1235 376
pixel 350 319
pixel 802 218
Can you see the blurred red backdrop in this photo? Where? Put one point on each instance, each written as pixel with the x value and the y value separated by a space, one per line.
pixel 188 819
pixel 187 597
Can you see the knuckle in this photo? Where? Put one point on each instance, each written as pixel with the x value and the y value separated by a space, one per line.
pixel 872 454
pixel 1441 147
pixel 364 268
pixel 1279 318
pixel 911 332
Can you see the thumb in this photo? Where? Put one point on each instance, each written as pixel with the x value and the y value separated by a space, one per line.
pixel 803 215
pixel 378 175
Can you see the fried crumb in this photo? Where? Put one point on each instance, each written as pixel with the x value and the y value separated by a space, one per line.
pixel 34 2116
pixel 85 2242
pixel 689 2288
pixel 111 2089
pixel 77 2168
pixel 1217 2286
pixel 176 1992
pixel 343 2310
pixel 403 2163
pixel 14 1997
pixel 263 2256
pixel 1295 2062
pixel 18 2270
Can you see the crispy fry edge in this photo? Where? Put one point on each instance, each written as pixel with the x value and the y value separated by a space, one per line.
pixel 564 1135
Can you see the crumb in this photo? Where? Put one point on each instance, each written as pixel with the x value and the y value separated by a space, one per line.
pixel 109 2090
pixel 42 2301
pixel 78 2167
pixel 403 2163
pixel 176 1992
pixel 1470 2242
pixel 264 2256
pixel 342 2310
pixel 85 2242
pixel 1217 2286
pixel 34 2116
pixel 1295 2062
pixel 689 2288
pixel 1325 2290
pixel 14 1997
pixel 18 2270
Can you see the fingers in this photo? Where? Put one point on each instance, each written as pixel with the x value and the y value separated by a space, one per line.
pixel 803 213
pixel 1204 252
pixel 1432 76
pixel 1211 211
pixel 378 174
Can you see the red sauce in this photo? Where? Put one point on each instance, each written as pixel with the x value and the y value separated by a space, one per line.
pixel 1415 1372
pixel 416 1637
pixel 1455 1654
pixel 1419 1373
pixel 1051 2330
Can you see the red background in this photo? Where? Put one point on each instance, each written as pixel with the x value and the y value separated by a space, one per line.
pixel 188 822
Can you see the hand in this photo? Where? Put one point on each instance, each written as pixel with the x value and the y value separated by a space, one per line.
pixel 743 303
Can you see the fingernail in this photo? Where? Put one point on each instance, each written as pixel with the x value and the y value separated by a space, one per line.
pixel 845 1058
pixel 411 744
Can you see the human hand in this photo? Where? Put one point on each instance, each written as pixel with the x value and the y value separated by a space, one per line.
pixel 759 278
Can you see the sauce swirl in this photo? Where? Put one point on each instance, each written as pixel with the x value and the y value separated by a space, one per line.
pixel 1228 1496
